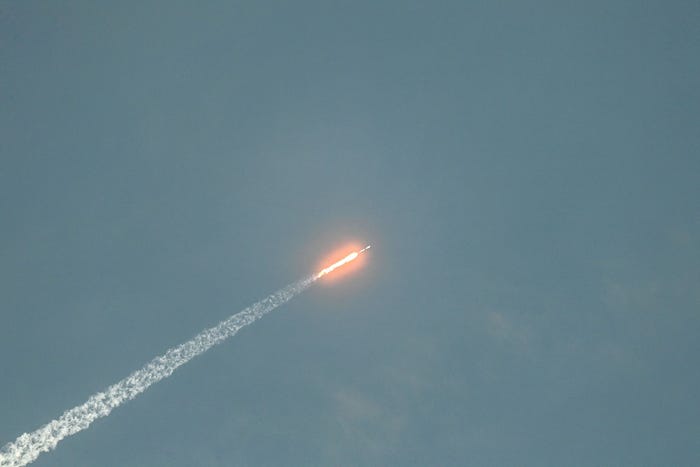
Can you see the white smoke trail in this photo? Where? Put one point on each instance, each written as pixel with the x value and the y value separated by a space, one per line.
pixel 29 446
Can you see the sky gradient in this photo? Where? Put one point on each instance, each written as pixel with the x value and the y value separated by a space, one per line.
pixel 526 172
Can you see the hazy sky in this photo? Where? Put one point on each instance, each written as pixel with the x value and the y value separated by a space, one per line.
pixel 527 172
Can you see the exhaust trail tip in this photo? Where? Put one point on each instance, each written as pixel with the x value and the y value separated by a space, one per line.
pixel 365 248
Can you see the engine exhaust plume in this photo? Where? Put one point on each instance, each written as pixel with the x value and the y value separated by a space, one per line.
pixel 340 263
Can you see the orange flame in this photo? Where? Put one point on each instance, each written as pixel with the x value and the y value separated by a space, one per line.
pixel 342 262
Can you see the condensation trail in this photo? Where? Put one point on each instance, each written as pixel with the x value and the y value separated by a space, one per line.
pixel 29 446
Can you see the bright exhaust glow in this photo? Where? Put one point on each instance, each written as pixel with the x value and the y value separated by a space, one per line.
pixel 342 262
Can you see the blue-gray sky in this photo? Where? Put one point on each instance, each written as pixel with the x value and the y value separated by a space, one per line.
pixel 528 173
